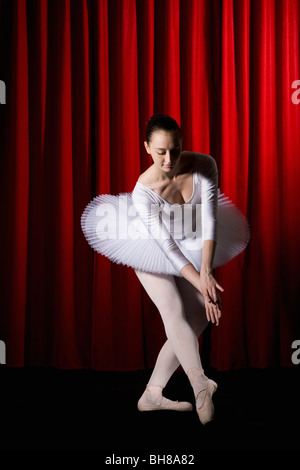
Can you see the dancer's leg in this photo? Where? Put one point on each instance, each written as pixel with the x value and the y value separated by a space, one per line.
pixel 167 362
pixel 203 387
pixel 163 291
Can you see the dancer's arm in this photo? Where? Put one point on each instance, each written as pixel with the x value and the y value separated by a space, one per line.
pixel 206 283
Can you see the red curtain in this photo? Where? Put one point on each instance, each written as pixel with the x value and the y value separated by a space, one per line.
pixel 82 77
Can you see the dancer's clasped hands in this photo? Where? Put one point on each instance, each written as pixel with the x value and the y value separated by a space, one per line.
pixel 208 286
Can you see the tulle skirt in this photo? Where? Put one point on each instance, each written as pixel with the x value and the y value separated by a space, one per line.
pixel 113 229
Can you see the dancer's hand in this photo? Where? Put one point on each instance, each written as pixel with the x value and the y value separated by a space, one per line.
pixel 209 289
pixel 208 286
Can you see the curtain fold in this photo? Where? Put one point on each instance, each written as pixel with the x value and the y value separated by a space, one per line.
pixel 15 181
pixel 82 78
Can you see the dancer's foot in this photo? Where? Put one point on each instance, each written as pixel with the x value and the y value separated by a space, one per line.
pixel 153 400
pixel 204 389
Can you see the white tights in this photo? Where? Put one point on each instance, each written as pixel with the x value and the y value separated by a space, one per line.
pixel 182 310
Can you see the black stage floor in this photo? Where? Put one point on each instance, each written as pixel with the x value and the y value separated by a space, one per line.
pixel 48 408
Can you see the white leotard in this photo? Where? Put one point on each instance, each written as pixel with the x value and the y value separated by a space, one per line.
pixel 205 193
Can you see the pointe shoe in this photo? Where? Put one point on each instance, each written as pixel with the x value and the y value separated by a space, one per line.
pixel 204 404
pixel 153 400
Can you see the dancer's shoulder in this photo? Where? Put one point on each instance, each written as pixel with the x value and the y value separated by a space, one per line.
pixel 147 178
pixel 205 164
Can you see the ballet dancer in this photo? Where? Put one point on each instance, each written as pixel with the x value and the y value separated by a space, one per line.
pixel 181 230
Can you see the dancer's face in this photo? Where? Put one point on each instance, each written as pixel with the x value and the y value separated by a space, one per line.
pixel 165 149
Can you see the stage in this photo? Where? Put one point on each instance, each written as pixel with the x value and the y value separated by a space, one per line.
pixel 48 408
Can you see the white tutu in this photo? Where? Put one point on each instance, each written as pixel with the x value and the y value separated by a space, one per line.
pixel 112 228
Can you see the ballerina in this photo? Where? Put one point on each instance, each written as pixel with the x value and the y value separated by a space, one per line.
pixel 178 228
